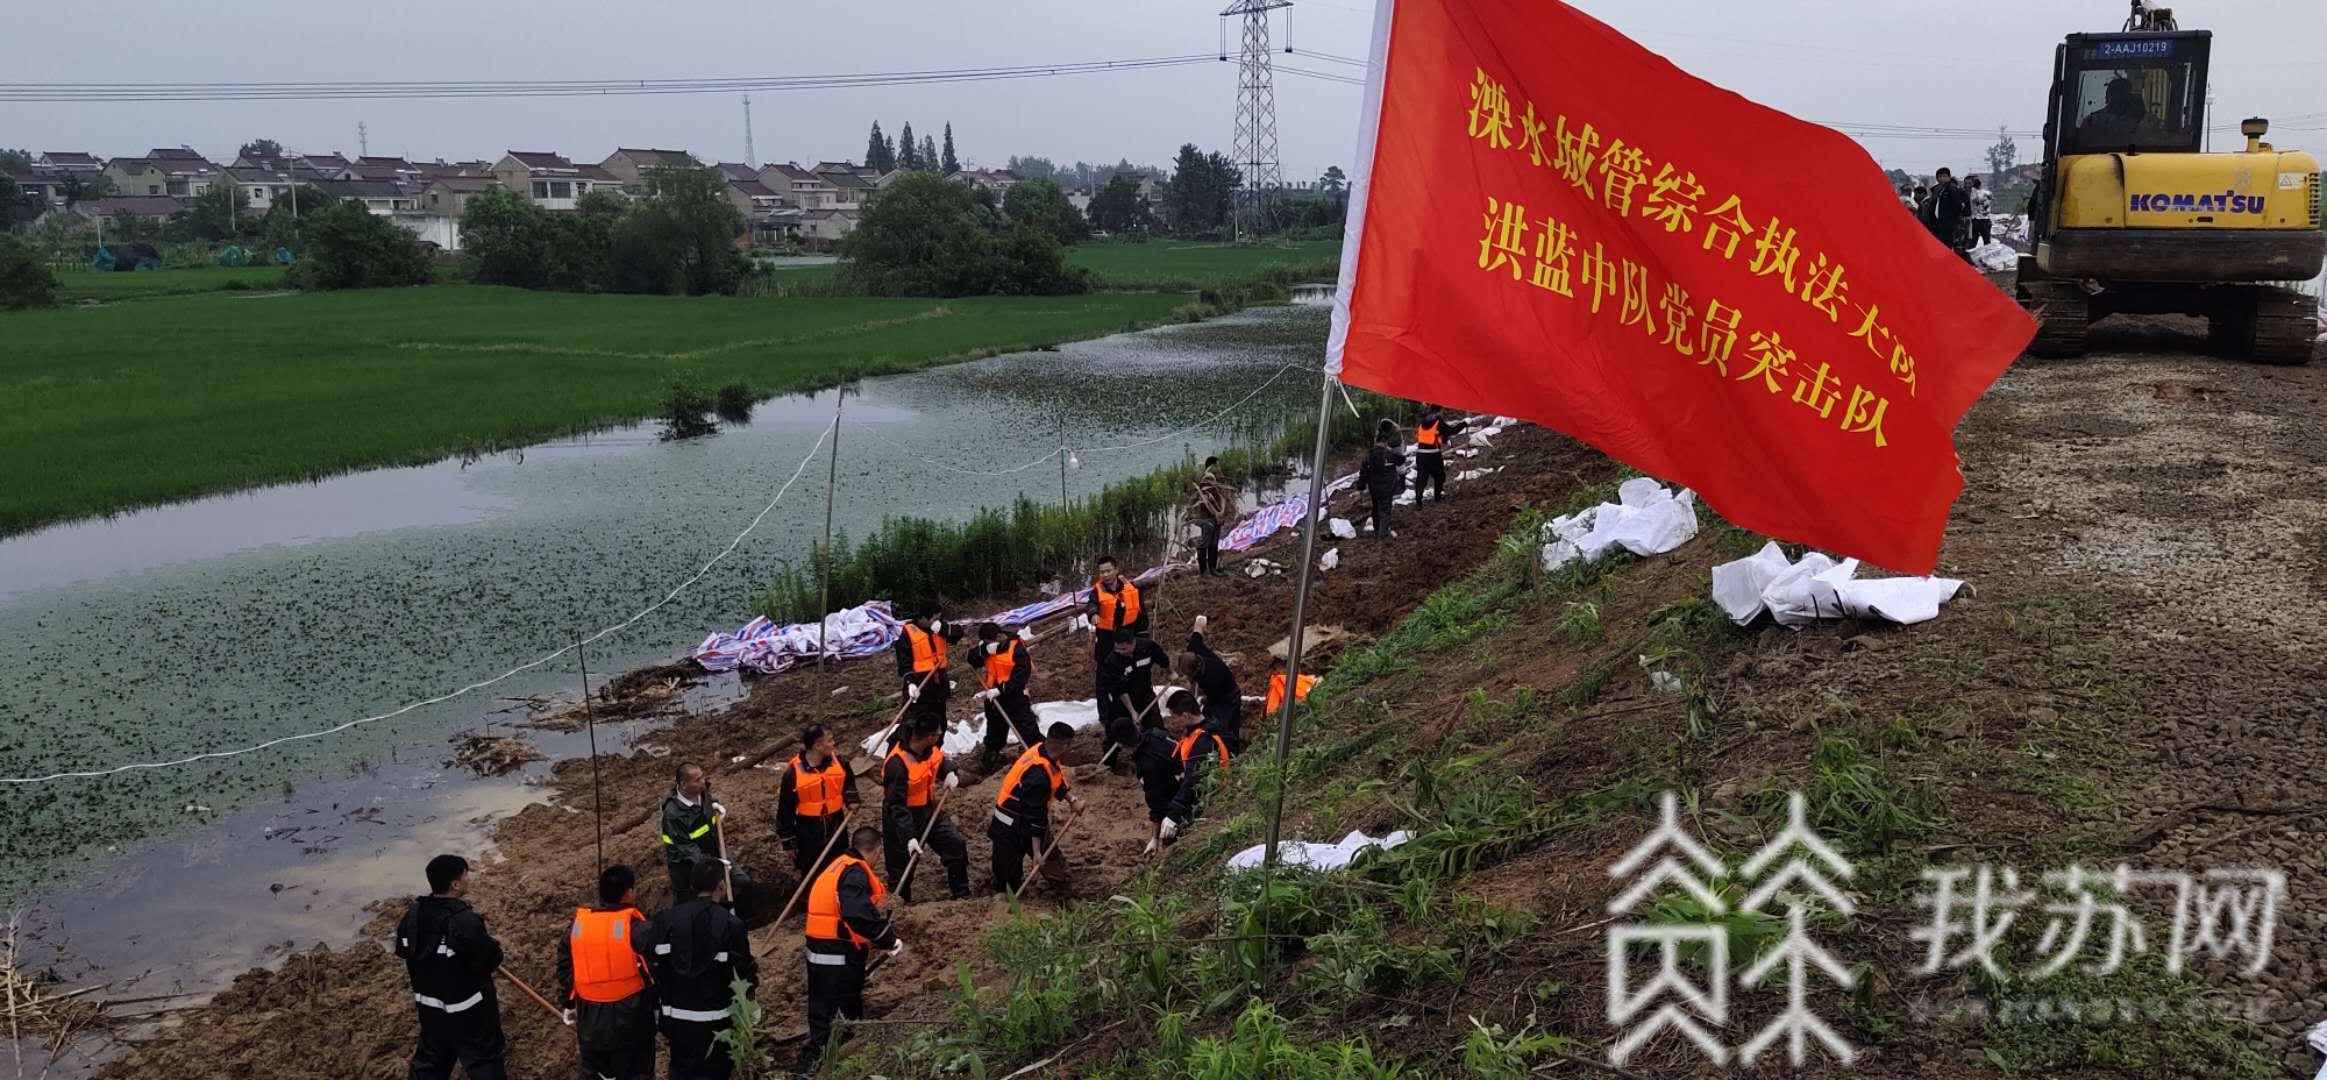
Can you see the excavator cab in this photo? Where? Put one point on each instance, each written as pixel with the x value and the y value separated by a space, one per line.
pixel 2132 215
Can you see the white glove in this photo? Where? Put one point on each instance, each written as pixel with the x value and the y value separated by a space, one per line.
pixel 718 810
pixel 913 847
pixel 951 686
pixel 912 691
pixel 566 1015
pixel 953 780
pixel 1168 829
pixel 1149 849
pixel 1202 622
pixel 937 626
pixel 897 950
pixel 989 694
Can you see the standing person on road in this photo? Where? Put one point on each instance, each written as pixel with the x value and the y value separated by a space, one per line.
pixel 1983 208
pixel 1022 809
pixel 1223 701
pixel 1430 437
pixel 695 952
pixel 1383 477
pixel 910 779
pixel 1127 693
pixel 690 828
pixel 845 922
pixel 451 957
pixel 1950 211
pixel 608 1001
pixel 816 793
pixel 1115 605
pixel 921 664
pixel 1007 668
pixel 1213 506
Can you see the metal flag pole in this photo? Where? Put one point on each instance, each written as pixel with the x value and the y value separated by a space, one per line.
pixel 831 481
pixel 590 720
pixel 1311 515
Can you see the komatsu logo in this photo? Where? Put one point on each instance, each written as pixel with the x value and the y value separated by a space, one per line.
pixel 2228 202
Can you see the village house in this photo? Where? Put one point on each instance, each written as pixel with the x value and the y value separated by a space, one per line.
pixel 631 166
pixel 998 181
pixel 156 208
pixel 181 173
pixel 551 181
pixel 450 195
pixel 799 188
pixel 261 189
pixel 850 187
pixel 65 161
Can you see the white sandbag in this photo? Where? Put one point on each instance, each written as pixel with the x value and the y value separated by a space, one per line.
pixel 1310 856
pixel 1646 519
pixel 965 737
pixel 1341 529
pixel 1994 257
pixel 1468 475
pixel 1329 560
pixel 1817 587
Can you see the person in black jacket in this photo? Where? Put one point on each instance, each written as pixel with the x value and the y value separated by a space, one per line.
pixel 608 1003
pixel 692 824
pixel 1005 669
pixel 816 793
pixel 1198 751
pixel 1222 699
pixel 1021 821
pixel 1950 210
pixel 1127 693
pixel 911 778
pixel 695 951
pixel 921 648
pixel 1431 434
pixel 845 922
pixel 1383 477
pixel 451 959
pixel 1158 762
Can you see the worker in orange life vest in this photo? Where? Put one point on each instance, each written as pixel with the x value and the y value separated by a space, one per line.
pixel 1276 698
pixel 1008 668
pixel 1199 751
pixel 1431 434
pixel 910 780
pixel 816 792
pixel 1022 822
pixel 1115 605
pixel 845 922
pixel 921 665
pixel 609 1001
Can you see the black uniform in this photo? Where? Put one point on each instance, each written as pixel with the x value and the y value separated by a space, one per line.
pixel 451 959
pixel 1022 822
pixel 617 1037
pixel 1103 642
pixel 1011 709
pixel 1158 765
pixel 836 966
pixel 935 693
pixel 690 835
pixel 694 951
pixel 1216 687
pixel 900 823
pixel 1203 757
pixel 1131 676
pixel 1382 477
pixel 1430 461
pixel 810 835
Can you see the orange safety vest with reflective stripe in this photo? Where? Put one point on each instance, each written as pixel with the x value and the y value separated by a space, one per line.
pixel 1000 665
pixel 1188 746
pixel 1277 691
pixel 819 790
pixel 928 649
pixel 824 921
pixel 1426 436
pixel 606 967
pixel 1032 757
pixel 920 776
pixel 1107 600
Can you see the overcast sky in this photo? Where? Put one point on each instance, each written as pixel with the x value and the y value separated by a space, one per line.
pixel 1978 63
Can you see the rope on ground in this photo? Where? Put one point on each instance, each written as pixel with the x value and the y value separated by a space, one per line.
pixel 214 755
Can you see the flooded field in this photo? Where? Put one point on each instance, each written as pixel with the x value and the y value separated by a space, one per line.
pixel 213 625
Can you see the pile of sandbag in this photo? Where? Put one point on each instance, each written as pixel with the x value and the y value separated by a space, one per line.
pixel 1798 593
pixel 1645 519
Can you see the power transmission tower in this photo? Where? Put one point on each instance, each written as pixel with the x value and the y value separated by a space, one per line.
pixel 1256 112
pixel 363 140
pixel 750 155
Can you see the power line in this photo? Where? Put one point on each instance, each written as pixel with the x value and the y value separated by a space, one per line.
pixel 1315 55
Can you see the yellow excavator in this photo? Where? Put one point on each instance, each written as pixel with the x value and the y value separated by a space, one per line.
pixel 2131 215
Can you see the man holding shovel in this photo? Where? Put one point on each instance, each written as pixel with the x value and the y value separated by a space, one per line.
pixel 817 793
pixel 1127 693
pixel 845 923
pixel 1021 822
pixel 692 823
pixel 921 664
pixel 608 1000
pixel 1007 670
pixel 911 779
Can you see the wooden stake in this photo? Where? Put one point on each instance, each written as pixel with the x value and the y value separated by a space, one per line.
pixel 530 992
pixel 590 720
pixel 808 878
pixel 1042 856
pixel 925 831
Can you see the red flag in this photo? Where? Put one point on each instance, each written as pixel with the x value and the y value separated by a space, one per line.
pixel 1554 223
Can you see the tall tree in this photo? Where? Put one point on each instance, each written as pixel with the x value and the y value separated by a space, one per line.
pixel 17 207
pixel 1203 191
pixel 18 161
pixel 927 160
pixel 1032 168
pixel 216 214
pixel 78 188
pixel 262 150
pixel 878 155
pixel 1334 181
pixel 947 163
pixel 908 151
pixel 2002 156
pixel 1119 208
pixel 1040 204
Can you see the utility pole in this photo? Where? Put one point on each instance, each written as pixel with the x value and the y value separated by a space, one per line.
pixel 750 156
pixel 363 140
pixel 1256 109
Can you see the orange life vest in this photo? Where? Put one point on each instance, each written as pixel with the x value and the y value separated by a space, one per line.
pixel 999 665
pixel 819 790
pixel 928 649
pixel 1426 436
pixel 1032 757
pixel 606 967
pixel 1129 597
pixel 1188 746
pixel 1277 691
pixel 824 921
pixel 920 776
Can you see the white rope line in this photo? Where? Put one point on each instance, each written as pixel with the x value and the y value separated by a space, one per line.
pixel 625 624
pixel 1052 455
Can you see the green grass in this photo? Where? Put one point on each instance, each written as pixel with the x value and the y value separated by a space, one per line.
pixel 1187 266
pixel 125 405
pixel 77 285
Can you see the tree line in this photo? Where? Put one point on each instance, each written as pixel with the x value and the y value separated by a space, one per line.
pixel 887 155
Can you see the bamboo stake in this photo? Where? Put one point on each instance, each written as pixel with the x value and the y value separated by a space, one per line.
pixel 1042 856
pixel 590 720
pixel 531 993
pixel 924 846
pixel 806 879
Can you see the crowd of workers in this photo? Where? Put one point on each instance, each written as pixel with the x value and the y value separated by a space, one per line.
pixel 1960 214
pixel 623 977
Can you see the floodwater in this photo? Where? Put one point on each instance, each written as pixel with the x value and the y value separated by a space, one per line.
pixel 216 624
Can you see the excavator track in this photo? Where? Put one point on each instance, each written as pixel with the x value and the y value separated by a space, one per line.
pixel 2286 327
pixel 2063 313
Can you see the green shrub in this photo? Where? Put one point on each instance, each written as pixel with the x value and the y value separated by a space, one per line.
pixel 686 410
pixel 349 247
pixel 24 282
